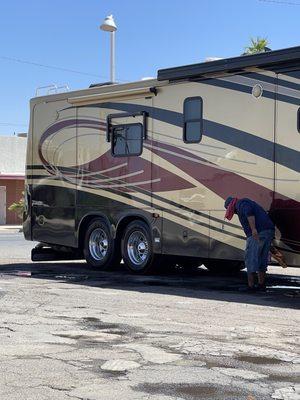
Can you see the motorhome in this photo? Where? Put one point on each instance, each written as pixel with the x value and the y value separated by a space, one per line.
pixel 139 171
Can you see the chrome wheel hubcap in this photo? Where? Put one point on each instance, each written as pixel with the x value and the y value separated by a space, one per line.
pixel 98 244
pixel 137 248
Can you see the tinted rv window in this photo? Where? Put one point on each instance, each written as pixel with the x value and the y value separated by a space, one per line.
pixel 127 140
pixel 192 119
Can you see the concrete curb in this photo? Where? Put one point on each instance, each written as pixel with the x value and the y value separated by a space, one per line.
pixel 10 228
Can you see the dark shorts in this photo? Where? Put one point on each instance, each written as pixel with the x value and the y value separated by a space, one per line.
pixel 257 252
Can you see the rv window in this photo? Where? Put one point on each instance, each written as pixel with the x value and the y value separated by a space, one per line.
pixel 192 119
pixel 127 140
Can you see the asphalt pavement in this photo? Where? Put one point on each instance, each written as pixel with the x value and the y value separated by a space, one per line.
pixel 72 332
pixel 13 245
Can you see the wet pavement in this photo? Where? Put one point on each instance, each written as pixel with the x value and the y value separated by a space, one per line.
pixel 70 332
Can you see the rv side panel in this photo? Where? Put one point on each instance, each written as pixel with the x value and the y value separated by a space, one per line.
pixel 286 207
pixel 234 155
pixel 114 186
pixel 53 173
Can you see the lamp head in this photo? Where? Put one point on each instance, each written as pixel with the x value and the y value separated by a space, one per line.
pixel 108 24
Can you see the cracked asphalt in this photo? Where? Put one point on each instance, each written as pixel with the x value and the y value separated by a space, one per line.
pixel 70 332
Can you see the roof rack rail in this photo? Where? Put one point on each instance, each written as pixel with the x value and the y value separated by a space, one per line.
pixel 102 84
pixel 51 88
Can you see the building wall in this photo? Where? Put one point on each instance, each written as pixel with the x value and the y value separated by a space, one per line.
pixel 14 189
pixel 12 154
pixel 12 171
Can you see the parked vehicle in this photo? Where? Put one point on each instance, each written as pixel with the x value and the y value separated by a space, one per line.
pixel 140 171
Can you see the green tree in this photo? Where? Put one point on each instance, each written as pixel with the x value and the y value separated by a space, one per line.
pixel 18 207
pixel 257 45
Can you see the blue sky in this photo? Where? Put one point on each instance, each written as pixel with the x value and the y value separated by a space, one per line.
pixel 151 35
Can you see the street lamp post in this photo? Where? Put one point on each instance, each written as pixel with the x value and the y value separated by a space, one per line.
pixel 109 25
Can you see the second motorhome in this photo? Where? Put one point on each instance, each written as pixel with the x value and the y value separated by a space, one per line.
pixel 140 171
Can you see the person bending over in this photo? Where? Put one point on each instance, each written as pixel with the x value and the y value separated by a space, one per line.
pixel 260 232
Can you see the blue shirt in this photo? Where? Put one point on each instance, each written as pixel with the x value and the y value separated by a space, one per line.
pixel 247 208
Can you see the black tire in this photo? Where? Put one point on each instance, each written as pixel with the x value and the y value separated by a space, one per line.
pixel 101 251
pixel 137 249
pixel 224 266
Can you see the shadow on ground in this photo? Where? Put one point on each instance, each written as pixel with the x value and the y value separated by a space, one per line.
pixel 283 290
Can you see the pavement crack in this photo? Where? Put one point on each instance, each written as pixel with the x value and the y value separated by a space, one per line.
pixel 7 328
pixel 52 387
pixel 72 396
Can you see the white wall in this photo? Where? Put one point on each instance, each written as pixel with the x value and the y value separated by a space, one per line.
pixel 12 154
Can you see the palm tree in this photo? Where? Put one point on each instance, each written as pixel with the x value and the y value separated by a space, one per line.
pixel 258 45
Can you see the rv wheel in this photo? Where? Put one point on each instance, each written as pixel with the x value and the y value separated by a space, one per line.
pixel 224 266
pixel 100 249
pixel 137 249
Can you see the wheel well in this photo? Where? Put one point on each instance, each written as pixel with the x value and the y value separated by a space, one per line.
pixel 125 221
